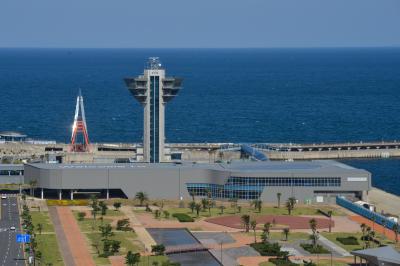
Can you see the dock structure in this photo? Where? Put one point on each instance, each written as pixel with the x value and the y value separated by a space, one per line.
pixel 194 152
pixel 383 149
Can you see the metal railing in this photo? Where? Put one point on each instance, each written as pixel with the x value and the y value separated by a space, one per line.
pixel 360 210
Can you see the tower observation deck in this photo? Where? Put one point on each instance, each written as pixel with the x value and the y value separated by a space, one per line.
pixel 153 90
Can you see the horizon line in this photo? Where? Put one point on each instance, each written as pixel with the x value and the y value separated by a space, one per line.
pixel 204 48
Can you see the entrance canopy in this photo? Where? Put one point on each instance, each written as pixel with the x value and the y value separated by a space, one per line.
pixel 379 256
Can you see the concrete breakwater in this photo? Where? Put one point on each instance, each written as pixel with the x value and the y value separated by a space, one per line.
pixel 199 152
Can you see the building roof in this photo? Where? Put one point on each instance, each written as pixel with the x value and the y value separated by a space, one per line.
pixel 376 255
pixel 244 167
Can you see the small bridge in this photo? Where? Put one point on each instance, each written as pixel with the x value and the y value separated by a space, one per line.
pixel 184 248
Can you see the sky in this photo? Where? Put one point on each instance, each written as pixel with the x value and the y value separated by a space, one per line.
pixel 199 24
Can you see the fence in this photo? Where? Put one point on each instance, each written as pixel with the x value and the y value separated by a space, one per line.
pixel 373 216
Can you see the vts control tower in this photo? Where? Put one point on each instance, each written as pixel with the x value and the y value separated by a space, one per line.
pixel 153 90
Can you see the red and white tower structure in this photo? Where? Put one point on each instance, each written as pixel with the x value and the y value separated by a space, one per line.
pixel 79 127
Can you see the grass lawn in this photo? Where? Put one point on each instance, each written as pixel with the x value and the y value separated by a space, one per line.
pixel 127 243
pixel 321 263
pixel 48 246
pixel 42 218
pixel 148 260
pixel 328 263
pixel 89 225
pixel 300 210
pixel 293 236
pixel 47 241
pixel 112 212
pixel 278 236
pixel 128 239
pixel 266 263
pixel 332 237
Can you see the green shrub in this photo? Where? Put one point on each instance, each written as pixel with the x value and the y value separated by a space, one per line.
pixel 183 217
pixel 350 240
pixel 282 262
pixel 318 249
pixel 268 249
pixel 81 216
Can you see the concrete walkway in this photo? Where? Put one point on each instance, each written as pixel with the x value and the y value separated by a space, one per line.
pixel 339 250
pixel 75 238
pixel 140 231
pixel 61 238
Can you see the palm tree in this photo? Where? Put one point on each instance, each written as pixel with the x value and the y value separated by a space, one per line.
pixel 314 236
pixel 259 205
pixel 395 229
pixel 278 195
pixel 289 207
pixel 192 195
pixel 363 229
pixel 197 206
pixel 253 225
pixel 95 207
pixel 204 203
pixel 267 228
pixel 363 232
pixel 192 205
pixel 32 185
pixel 132 258
pixel 103 207
pixel 286 232
pixel 291 202
pixel 117 205
pixel 253 204
pixel 367 236
pixel 142 197
pixel 246 222
pixel 39 227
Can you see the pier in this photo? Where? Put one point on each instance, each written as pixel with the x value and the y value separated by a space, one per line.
pixel 383 149
pixel 196 152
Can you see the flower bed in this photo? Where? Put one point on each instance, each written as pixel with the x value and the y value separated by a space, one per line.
pixel 81 202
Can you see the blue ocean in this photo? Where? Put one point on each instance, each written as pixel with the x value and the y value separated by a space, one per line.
pixel 229 95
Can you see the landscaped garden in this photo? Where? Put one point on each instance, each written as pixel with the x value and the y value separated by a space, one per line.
pixel 45 242
pixel 104 239
pixel 354 241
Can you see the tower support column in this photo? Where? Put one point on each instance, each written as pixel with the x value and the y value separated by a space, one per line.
pixel 72 194
pixel 60 194
pixel 108 194
pixel 42 193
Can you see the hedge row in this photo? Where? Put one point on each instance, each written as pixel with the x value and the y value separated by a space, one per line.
pixel 350 240
pixel 183 217
pixel 82 202
pixel 314 250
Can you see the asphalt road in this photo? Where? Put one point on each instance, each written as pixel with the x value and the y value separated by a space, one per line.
pixel 11 252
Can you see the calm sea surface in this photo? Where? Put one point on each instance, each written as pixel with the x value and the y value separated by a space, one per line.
pixel 256 95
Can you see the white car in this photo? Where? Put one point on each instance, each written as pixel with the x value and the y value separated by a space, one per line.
pixel 3 197
pixel 12 228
